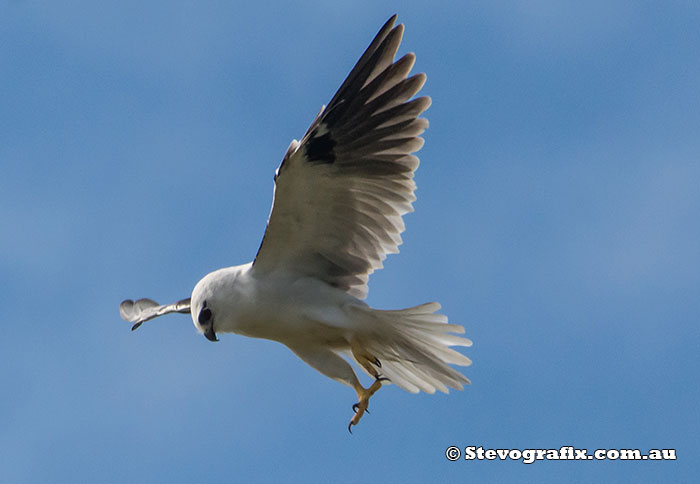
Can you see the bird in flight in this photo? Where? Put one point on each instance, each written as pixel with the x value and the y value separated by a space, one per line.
pixel 339 197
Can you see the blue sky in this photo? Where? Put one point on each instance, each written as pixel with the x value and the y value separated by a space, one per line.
pixel 557 220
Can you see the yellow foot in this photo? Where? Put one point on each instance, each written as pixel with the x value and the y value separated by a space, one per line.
pixel 368 361
pixel 363 396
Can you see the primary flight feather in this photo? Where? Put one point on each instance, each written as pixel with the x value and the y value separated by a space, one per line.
pixel 340 194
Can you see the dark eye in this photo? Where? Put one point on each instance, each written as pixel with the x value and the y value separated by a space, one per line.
pixel 204 316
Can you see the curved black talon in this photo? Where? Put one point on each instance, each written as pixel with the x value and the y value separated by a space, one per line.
pixel 382 378
pixel 355 406
pixel 377 362
pixel 350 427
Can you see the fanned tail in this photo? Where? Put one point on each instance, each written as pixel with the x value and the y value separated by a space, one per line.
pixel 413 347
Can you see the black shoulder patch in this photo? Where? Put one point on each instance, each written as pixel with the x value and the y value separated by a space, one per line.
pixel 319 149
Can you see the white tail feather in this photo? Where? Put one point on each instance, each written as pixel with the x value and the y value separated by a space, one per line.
pixel 412 346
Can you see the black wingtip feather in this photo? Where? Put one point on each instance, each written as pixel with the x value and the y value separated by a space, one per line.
pixel 364 58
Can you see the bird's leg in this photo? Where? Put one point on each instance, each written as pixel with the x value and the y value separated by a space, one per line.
pixel 363 395
pixel 369 363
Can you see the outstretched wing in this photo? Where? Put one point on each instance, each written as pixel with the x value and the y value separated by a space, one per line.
pixel 138 312
pixel 341 192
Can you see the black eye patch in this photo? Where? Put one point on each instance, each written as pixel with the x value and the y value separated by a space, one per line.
pixel 204 316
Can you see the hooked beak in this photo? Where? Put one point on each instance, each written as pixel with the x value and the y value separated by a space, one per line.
pixel 210 334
